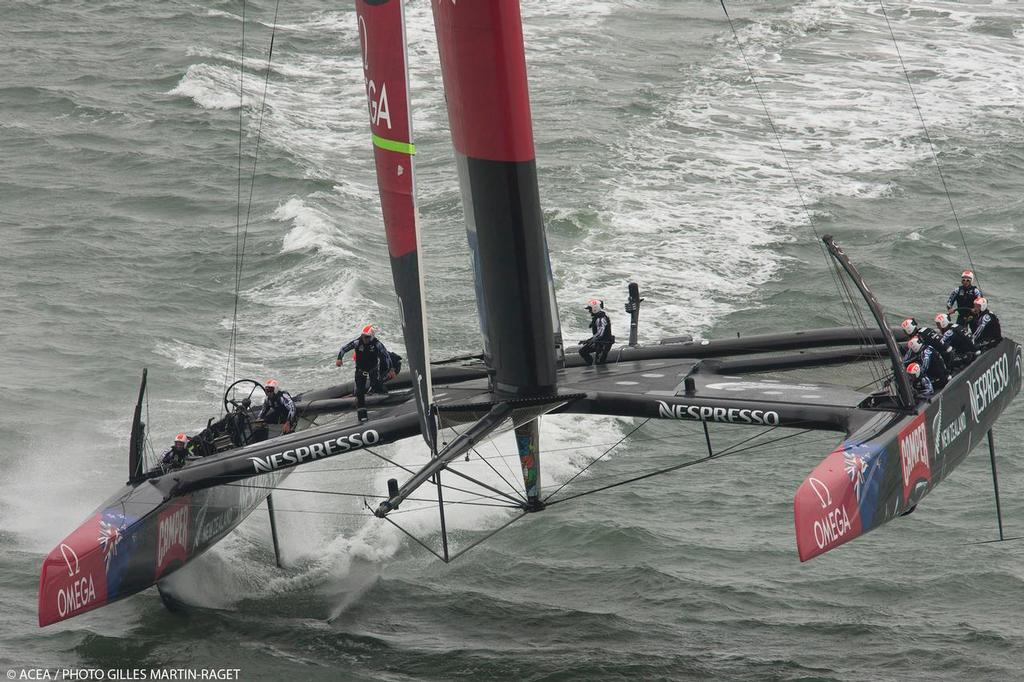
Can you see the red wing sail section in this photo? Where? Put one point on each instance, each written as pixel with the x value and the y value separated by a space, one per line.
pixel 382 40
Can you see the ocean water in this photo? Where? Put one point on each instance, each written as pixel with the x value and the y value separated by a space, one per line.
pixel 119 139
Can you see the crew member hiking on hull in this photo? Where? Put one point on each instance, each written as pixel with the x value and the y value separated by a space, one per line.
pixel 933 367
pixel 594 350
pixel 278 408
pixel 930 338
pixel 987 331
pixel 920 382
pixel 374 365
pixel 961 301
pixel 957 338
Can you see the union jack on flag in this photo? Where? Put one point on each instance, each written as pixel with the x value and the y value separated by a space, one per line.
pixel 856 468
pixel 110 537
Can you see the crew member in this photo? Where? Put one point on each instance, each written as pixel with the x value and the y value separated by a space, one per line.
pixel 961 301
pixel 175 457
pixel 933 367
pixel 987 331
pixel 373 365
pixel 921 383
pixel 594 350
pixel 278 408
pixel 930 338
pixel 957 338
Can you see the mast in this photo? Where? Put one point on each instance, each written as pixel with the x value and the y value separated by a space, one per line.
pixel 904 391
pixel 484 70
pixel 382 42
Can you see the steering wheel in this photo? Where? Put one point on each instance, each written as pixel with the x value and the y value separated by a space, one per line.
pixel 242 403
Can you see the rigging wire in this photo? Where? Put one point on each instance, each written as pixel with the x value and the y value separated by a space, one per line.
pixel 238 198
pixel 836 277
pixel 242 230
pixel 595 460
pixel 677 467
pixel 927 135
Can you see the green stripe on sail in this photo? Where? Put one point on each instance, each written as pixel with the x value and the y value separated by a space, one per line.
pixel 394 145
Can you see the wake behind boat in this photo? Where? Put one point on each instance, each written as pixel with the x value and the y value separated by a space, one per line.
pixel 897 443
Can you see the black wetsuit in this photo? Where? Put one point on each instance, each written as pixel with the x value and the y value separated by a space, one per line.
pixel 922 387
pixel 962 299
pixel 987 330
pixel 933 367
pixel 933 340
pixel 278 408
pixel 373 361
pixel 594 350
pixel 962 344
pixel 174 458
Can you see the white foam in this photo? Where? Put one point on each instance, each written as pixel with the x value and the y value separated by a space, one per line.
pixel 212 87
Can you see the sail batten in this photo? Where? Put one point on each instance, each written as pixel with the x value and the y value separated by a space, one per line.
pixel 385 68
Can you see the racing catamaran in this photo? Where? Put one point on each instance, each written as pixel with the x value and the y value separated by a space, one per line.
pixel 894 448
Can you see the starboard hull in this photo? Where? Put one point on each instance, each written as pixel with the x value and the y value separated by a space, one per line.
pixel 886 467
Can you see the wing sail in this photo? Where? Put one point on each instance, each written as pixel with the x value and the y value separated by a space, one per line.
pixel 382 41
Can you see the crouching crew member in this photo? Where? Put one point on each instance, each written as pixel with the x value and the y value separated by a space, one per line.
pixel 931 338
pixel 175 457
pixel 278 408
pixel 987 331
pixel 954 336
pixel 373 365
pixel 922 385
pixel 933 367
pixel 961 301
pixel 594 350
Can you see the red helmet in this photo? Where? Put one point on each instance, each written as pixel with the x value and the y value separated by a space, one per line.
pixel 909 326
pixel 967 274
pixel 181 438
pixel 368 330
pixel 914 369
pixel 271 385
pixel 594 306
pixel 982 303
pixel 942 321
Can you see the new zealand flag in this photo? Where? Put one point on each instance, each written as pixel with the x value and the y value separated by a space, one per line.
pixel 118 543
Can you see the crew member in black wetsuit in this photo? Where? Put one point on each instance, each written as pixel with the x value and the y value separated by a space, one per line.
pixel 961 301
pixel 933 367
pixel 987 331
pixel 594 350
pixel 278 408
pixel 175 457
pixel 373 365
pixel 957 338
pixel 931 338
pixel 920 382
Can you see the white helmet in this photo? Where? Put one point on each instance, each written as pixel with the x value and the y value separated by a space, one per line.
pixel 942 321
pixel 368 331
pixel 915 344
pixel 982 303
pixel 967 274
pixel 914 369
pixel 594 306
pixel 909 325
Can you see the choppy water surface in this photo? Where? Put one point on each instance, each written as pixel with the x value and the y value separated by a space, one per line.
pixel 118 185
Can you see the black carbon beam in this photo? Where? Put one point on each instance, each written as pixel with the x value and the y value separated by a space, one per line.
pixel 458 447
